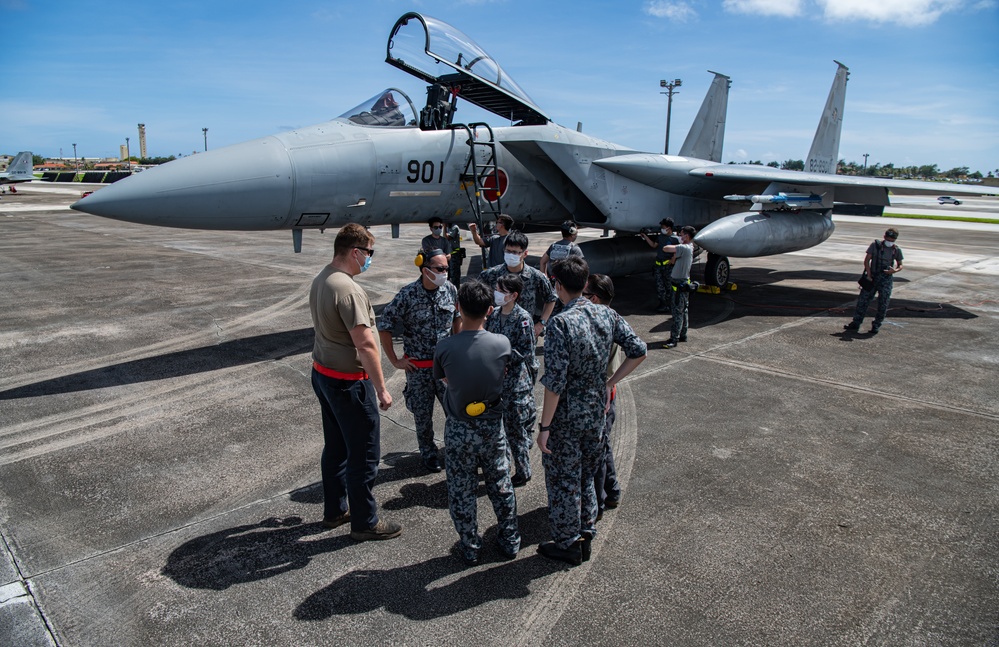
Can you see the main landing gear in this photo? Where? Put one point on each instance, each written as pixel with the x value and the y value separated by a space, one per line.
pixel 716 270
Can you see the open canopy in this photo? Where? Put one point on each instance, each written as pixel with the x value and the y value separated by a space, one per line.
pixel 440 54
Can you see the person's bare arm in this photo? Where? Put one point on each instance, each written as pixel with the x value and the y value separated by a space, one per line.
pixel 367 352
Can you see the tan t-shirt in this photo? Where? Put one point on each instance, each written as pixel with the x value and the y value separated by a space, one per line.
pixel 338 305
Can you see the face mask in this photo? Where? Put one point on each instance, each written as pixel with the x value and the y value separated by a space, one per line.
pixel 435 278
pixel 499 298
pixel 438 231
pixel 889 243
pixel 367 264
pixel 665 232
pixel 511 260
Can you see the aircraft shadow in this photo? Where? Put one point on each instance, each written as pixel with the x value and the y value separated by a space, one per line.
pixel 237 352
pixel 763 293
pixel 396 589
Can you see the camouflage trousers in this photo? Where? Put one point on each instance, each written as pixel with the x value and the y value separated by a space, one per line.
pixel 882 285
pixel 519 415
pixel 421 389
pixel 605 478
pixel 467 447
pixel 569 469
pixel 662 273
pixel 679 302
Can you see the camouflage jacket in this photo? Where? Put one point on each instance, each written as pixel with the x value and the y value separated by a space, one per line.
pixel 519 329
pixel 538 290
pixel 426 317
pixel 578 343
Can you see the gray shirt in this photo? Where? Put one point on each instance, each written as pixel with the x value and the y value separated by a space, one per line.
pixel 497 247
pixel 474 362
pixel 682 259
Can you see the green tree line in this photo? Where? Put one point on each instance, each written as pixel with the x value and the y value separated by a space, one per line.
pixel 924 172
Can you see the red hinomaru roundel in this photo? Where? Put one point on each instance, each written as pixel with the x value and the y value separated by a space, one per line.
pixel 490 191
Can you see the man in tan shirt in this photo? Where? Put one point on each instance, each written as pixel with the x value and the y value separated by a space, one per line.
pixel 347 378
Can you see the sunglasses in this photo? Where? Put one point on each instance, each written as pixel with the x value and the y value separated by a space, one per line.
pixel 370 252
pixel 440 269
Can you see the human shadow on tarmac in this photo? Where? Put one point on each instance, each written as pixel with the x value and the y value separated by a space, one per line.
pixel 409 590
pixel 248 553
pixel 237 352
pixel 399 466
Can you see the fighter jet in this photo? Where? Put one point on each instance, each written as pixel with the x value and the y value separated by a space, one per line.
pixel 20 169
pixel 385 162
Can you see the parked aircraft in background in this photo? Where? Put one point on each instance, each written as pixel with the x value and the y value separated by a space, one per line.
pixel 19 170
pixel 385 162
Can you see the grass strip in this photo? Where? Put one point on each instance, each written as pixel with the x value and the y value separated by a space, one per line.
pixel 915 216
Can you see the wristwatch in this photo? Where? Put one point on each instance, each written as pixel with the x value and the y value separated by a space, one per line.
pixel 543 427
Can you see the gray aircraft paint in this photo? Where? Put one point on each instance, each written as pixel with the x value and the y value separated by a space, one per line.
pixel 340 171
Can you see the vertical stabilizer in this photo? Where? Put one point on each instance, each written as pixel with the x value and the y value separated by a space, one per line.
pixel 20 169
pixel 707 133
pixel 824 154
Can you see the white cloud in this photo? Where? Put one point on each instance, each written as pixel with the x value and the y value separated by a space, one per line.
pixel 675 11
pixel 784 8
pixel 908 13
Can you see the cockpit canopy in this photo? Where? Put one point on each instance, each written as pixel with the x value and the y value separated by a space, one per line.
pixel 441 55
pixel 390 107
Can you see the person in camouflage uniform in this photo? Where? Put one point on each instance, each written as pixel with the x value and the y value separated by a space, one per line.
pixel 538 293
pixel 519 409
pixel 884 260
pixel 663 260
pixel 427 312
pixel 577 350
pixel 473 363
pixel 600 290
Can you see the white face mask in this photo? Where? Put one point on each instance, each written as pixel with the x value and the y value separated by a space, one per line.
pixel 435 278
pixel 438 231
pixel 499 298
pixel 889 243
pixel 665 232
pixel 511 260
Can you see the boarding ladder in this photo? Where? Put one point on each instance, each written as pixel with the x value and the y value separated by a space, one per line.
pixel 475 175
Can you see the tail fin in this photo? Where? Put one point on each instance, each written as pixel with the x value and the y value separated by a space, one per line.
pixel 707 133
pixel 824 154
pixel 20 168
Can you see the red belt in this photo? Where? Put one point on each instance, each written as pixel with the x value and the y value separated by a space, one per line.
pixel 420 363
pixel 328 372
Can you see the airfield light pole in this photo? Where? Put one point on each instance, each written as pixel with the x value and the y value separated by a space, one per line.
pixel 670 91
pixel 75 163
pixel 205 132
pixel 128 155
pixel 866 155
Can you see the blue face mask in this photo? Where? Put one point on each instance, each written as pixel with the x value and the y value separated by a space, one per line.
pixel 367 264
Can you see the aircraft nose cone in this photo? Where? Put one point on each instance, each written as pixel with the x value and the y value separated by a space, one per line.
pixel 248 186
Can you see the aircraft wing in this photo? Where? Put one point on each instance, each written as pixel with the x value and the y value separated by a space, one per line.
pixel 675 174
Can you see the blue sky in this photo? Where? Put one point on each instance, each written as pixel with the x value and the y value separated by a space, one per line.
pixel 924 84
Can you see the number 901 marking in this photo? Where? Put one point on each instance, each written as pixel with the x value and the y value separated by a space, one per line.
pixel 425 172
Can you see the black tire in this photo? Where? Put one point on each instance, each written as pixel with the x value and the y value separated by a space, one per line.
pixel 716 271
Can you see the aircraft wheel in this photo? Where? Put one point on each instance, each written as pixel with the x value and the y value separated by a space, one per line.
pixel 716 270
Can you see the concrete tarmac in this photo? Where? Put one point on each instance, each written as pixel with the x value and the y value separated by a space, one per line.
pixel 784 483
